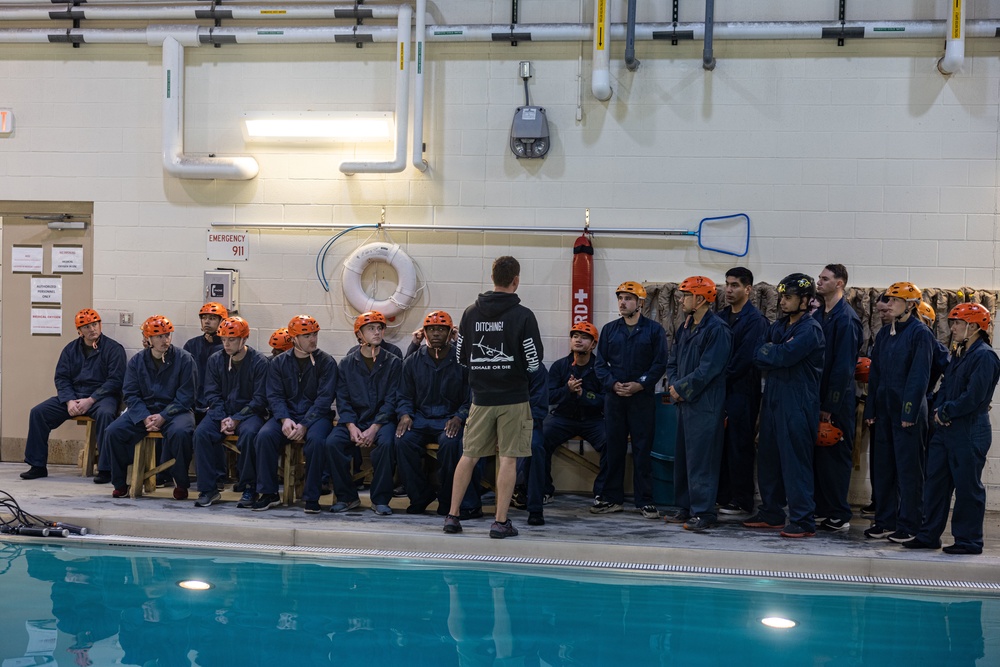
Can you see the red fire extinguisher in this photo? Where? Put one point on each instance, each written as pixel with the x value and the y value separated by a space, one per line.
pixel 583 280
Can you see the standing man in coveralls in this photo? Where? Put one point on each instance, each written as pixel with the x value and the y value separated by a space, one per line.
pixel 499 341
pixel 696 375
pixel 792 360
pixel 842 333
pixel 632 356
pixel 89 376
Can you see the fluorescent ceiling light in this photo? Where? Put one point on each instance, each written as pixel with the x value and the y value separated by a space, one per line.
pixel 332 127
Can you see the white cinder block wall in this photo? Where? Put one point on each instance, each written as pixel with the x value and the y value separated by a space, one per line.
pixel 862 154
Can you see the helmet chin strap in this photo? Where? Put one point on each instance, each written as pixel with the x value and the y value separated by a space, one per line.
pixel 959 347
pixel 899 318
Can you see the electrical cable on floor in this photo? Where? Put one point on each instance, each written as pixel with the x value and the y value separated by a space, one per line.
pixel 25 523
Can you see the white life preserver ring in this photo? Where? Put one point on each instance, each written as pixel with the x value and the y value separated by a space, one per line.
pixel 406 273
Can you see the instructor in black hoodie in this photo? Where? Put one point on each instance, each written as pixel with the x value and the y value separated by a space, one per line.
pixel 498 340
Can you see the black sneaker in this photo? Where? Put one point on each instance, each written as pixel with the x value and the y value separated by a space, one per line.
pixel 452 525
pixel 649 512
pixel 835 525
pixel 795 530
pixel 758 521
pixel 548 498
pixel 102 477
pixel 399 492
pixel 474 513
pixel 519 500
pixel 119 492
pixel 416 508
pixel 266 502
pixel 955 550
pixel 498 530
pixel 900 537
pixel 247 499
pixel 206 499
pixel 868 511
pixel 697 524
pixel 917 543
pixel 676 516
pixel 733 508
pixel 877 532
pixel 312 507
pixel 605 507
pixel 36 472
pixel 536 519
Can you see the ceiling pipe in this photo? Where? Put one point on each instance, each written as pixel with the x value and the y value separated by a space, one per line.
pixel 241 11
pixel 175 161
pixel 600 78
pixel 954 49
pixel 631 62
pixel 707 58
pixel 611 231
pixel 402 60
pixel 420 60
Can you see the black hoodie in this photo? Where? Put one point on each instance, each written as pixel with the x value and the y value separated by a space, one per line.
pixel 498 340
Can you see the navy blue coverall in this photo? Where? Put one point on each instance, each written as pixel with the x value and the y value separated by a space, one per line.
pixel 201 350
pixel 80 373
pixel 897 392
pixel 833 465
pixel 432 392
pixel 571 415
pixel 639 355
pixel 791 358
pixel 152 387
pixel 237 391
pixel 364 398
pixel 736 484
pixel 301 390
pixel 957 452
pixel 696 369
pixel 532 471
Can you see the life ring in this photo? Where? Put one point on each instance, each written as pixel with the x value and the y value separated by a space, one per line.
pixel 406 274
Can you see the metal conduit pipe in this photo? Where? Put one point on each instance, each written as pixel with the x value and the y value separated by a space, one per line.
pixel 631 62
pixel 418 87
pixel 954 49
pixel 191 11
pixel 611 231
pixel 707 59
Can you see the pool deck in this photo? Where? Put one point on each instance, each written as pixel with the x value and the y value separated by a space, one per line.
pixel 570 533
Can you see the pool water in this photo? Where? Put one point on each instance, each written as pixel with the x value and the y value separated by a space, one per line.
pixel 83 604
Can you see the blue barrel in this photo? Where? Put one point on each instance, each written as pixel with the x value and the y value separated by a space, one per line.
pixel 664 448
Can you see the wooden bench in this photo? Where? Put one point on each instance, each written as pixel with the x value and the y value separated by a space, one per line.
pixel 144 468
pixel 91 448
pixel 293 475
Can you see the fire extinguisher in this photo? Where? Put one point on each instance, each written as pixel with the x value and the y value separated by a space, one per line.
pixel 583 280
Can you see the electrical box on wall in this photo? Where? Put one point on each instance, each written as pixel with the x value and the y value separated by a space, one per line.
pixel 223 286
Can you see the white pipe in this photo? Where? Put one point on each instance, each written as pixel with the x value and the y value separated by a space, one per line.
pixel 191 11
pixel 600 77
pixel 300 35
pixel 954 50
pixel 402 60
pixel 418 87
pixel 611 231
pixel 175 162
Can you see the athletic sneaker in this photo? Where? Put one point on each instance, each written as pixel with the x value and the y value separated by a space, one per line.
pixel 180 493
pixel 35 472
pixel 605 507
pixel 345 507
pixel 206 499
pixel 961 550
pixel 452 524
pixel 649 512
pixel 868 511
pixel 794 530
pixel 834 525
pixel 900 537
pixel 474 513
pixel 536 519
pixel 119 492
pixel 877 532
pixel 676 516
pixel 548 498
pixel 247 499
pixel 266 501
pixel 757 521
pixel 519 500
pixel 498 530
pixel 312 507
pixel 382 510
pixel 733 508
pixel 102 477
pixel 917 543
pixel 697 524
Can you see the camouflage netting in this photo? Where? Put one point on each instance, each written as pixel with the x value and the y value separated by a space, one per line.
pixel 663 305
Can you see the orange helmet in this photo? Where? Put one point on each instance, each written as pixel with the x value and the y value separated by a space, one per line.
pixel 213 308
pixel 87 316
pixel 302 324
pixel 368 318
pixel 281 339
pixel 828 435
pixel 234 327
pixel 632 287
pixel 905 291
pixel 157 325
pixel 699 285
pixel 862 369
pixel 973 313
pixel 585 327
pixel 438 318
pixel 926 313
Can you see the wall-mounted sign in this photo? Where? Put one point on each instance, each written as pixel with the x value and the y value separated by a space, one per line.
pixel 46 321
pixel 230 245
pixel 6 122
pixel 26 259
pixel 46 289
pixel 67 259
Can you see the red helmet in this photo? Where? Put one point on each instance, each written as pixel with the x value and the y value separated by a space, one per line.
pixel 438 318
pixel 157 325
pixel 701 286
pixel 368 318
pixel 632 287
pixel 829 435
pixel 281 339
pixel 862 369
pixel 234 327
pixel 87 316
pixel 973 313
pixel 302 324
pixel 213 308
pixel 584 327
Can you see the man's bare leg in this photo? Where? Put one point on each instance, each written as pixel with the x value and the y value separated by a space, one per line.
pixel 506 477
pixel 463 475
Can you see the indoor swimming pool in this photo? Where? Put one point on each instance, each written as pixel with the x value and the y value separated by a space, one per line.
pixel 89 604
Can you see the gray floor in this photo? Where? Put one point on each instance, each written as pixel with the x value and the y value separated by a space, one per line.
pixel 571 532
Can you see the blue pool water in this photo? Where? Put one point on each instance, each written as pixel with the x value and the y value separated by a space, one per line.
pixel 83 604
